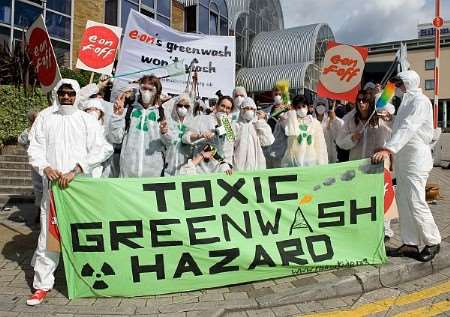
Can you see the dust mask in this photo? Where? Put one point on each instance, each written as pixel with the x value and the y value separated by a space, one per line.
pixel 320 109
pixel 66 110
pixel 238 101
pixel 147 96
pixel 303 112
pixel 277 100
pixel 182 111
pixel 248 115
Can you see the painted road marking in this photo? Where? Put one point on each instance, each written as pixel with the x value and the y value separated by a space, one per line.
pixel 385 304
pixel 427 311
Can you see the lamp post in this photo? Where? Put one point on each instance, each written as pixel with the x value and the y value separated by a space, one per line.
pixel 438 21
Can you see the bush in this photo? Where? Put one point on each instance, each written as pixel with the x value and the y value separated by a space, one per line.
pixel 14 107
pixel 82 76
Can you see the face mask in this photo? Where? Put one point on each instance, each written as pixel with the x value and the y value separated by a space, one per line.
pixel 320 109
pixel 302 112
pixel 95 114
pixel 182 111
pixel 147 96
pixel 277 99
pixel 67 109
pixel 248 115
pixel 238 101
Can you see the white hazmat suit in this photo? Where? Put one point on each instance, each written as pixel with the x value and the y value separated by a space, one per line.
pixel 412 134
pixel 61 140
pixel 251 136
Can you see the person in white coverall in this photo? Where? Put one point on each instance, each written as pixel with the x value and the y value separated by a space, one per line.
pixel 94 107
pixel 331 126
pixel 252 133
pixel 306 142
pixel 179 113
pixel 210 130
pixel 412 134
pixel 239 94
pixel 64 142
pixel 137 128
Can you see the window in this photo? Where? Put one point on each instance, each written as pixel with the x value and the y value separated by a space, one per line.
pixel 164 7
pixel 58 25
pixel 62 52
pixel 213 19
pixel 429 64
pixel 191 19
pixel 25 14
pixel 164 20
pixel 63 6
pixel 5 11
pixel 111 8
pixel 149 3
pixel 126 8
pixel 148 13
pixel 429 84
pixel 4 36
pixel 203 14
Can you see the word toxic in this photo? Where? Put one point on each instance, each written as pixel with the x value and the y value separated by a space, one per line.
pixel 101 47
pixel 344 67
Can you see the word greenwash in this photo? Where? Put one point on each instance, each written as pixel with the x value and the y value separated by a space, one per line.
pixel 134 237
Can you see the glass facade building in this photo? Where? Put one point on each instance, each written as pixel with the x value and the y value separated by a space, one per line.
pixel 17 15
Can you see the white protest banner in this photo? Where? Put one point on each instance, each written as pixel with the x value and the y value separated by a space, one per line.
pixel 98 47
pixel 342 71
pixel 42 56
pixel 150 47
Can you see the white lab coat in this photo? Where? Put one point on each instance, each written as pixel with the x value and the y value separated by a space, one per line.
pixel 305 147
pixel 412 135
pixel 250 138
pixel 225 148
pixel 61 141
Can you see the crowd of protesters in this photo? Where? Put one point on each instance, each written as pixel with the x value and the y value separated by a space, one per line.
pixel 143 133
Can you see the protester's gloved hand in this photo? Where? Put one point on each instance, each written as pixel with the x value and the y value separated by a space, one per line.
pixel 51 173
pixel 380 156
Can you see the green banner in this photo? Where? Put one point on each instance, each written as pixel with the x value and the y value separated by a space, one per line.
pixel 148 236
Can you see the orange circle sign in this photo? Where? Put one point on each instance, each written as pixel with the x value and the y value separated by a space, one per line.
pixel 98 47
pixel 438 22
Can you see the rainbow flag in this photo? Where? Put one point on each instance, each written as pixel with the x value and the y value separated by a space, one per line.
pixel 386 96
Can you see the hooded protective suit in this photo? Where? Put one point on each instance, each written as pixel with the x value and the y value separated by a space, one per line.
pixel 412 134
pixel 306 142
pixel 331 129
pixel 178 152
pixel 143 150
pixel 61 139
pixel 251 136
pixel 98 104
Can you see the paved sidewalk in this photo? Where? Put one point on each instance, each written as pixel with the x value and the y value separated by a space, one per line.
pixel 18 240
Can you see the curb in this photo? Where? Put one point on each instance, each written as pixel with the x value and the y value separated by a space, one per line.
pixel 398 271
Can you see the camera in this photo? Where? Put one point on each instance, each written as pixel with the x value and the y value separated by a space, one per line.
pixel 212 148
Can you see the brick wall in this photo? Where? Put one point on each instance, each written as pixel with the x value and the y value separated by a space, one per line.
pixel 177 19
pixel 85 10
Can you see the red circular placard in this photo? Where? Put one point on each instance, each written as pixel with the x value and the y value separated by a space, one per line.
pixel 438 22
pixel 42 56
pixel 98 39
pixel 389 193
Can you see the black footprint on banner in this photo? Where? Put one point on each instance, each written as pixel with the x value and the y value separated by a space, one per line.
pixel 88 271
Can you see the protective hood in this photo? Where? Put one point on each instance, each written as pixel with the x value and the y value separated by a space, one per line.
pixel 239 90
pixel 75 87
pixel 319 100
pixel 92 103
pixel 171 106
pixel 411 80
pixel 247 103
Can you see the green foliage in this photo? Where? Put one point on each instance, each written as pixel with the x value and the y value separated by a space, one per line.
pixel 82 76
pixel 14 106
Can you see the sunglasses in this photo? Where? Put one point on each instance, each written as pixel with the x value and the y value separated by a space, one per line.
pixel 180 105
pixel 62 93
pixel 363 100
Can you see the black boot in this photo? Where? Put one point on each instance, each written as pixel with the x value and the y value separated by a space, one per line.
pixel 429 252
pixel 410 251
